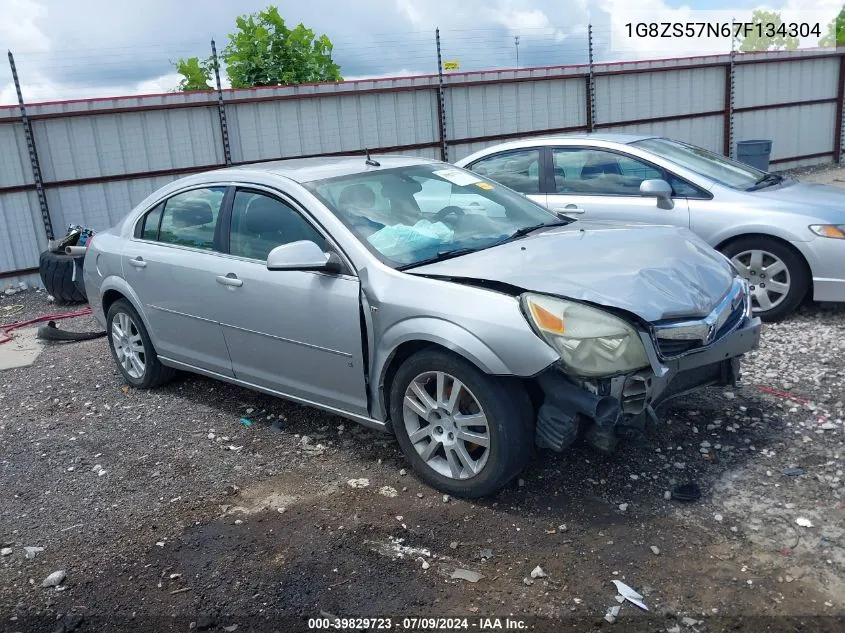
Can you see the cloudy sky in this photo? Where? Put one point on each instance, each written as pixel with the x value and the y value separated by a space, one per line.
pixel 70 49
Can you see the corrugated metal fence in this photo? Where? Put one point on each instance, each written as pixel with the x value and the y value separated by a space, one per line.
pixel 100 157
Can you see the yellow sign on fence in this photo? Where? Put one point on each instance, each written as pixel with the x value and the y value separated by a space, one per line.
pixel 453 65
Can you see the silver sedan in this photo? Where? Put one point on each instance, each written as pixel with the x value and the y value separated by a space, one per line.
pixel 787 238
pixel 416 297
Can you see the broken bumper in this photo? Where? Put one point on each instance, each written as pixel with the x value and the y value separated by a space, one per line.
pixel 628 400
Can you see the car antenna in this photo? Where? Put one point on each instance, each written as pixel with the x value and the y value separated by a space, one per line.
pixel 370 161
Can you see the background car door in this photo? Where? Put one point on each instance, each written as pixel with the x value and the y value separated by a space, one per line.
pixel 172 264
pixel 518 169
pixel 591 183
pixel 297 332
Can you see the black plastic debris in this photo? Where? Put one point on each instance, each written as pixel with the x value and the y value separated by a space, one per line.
pixel 688 492
pixel 793 472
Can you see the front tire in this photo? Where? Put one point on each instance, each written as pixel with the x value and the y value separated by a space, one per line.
pixel 779 277
pixel 464 432
pixel 132 349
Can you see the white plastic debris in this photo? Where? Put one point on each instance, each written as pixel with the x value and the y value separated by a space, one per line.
pixel 386 491
pixel 803 522
pixel 32 552
pixel 538 572
pixel 629 594
pixel 466 574
pixel 358 483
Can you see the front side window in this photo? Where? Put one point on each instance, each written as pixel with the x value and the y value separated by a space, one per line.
pixel 188 218
pixel 409 214
pixel 725 171
pixel 599 172
pixel 261 222
pixel 518 169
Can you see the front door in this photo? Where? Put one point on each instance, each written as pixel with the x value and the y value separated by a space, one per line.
pixel 598 184
pixel 172 263
pixel 296 332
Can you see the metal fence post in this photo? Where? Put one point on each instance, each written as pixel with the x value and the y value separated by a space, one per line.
pixel 221 107
pixel 33 154
pixel 591 83
pixel 839 135
pixel 441 100
pixel 730 96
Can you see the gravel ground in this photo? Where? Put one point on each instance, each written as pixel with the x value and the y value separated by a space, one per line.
pixel 167 513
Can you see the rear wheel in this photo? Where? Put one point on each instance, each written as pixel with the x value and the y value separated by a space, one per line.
pixel 132 349
pixel 778 276
pixel 464 432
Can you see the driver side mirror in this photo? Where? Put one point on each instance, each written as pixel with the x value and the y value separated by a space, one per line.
pixel 660 189
pixel 303 255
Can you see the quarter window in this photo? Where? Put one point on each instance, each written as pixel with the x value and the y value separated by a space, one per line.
pixel 260 223
pixel 519 170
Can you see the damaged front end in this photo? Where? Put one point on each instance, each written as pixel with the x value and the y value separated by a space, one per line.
pixel 681 355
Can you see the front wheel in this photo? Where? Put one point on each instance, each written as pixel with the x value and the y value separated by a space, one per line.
pixel 778 276
pixel 464 432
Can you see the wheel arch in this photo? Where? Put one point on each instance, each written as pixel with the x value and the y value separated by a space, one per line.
pixel 116 288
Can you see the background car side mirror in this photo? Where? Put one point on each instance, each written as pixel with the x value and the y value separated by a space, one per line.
pixel 660 189
pixel 303 255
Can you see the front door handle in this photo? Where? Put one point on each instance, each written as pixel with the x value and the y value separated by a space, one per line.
pixel 138 262
pixel 230 280
pixel 569 208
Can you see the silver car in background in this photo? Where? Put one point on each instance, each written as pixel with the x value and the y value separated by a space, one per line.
pixel 366 288
pixel 786 238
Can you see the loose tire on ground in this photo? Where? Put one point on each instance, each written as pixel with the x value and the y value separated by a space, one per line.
pixel 130 331
pixel 509 424
pixel 57 275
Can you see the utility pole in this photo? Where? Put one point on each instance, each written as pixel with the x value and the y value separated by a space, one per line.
pixel 516 44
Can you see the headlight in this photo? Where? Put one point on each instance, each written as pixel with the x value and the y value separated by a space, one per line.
pixel 591 342
pixel 829 230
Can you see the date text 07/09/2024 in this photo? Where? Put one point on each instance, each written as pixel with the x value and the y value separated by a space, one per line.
pixel 721 29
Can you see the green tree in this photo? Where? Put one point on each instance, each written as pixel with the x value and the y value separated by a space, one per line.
pixel 835 35
pixel 768 20
pixel 265 52
pixel 196 73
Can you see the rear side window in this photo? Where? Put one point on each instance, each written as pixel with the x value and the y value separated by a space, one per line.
pixel 518 169
pixel 190 218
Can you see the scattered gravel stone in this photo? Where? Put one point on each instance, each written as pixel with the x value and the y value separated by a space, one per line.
pixel 655 550
pixel 55 579
pixel 358 483
pixel 6 551
pixel 538 572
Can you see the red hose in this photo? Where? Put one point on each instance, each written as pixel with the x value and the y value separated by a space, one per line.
pixel 6 329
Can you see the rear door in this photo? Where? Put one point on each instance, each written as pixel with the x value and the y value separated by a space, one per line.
pixel 519 169
pixel 172 262
pixel 600 184
pixel 296 332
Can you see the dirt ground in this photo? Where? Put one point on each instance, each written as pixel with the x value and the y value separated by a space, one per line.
pixel 166 512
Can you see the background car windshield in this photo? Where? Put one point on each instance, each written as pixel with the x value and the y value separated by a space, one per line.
pixel 723 170
pixel 410 214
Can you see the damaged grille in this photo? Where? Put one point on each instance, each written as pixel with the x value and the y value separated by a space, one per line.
pixel 679 337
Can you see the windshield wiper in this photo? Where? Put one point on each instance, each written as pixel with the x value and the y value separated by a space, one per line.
pixel 441 255
pixel 766 180
pixel 525 230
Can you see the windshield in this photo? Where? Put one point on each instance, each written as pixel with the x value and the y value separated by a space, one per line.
pixel 409 215
pixel 725 171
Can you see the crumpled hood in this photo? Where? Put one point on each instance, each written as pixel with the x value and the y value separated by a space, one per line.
pixel 655 272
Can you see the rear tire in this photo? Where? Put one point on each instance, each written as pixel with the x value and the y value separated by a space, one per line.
pixel 779 277
pixel 132 350
pixel 57 275
pixel 442 452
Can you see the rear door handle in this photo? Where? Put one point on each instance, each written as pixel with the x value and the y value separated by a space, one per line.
pixel 230 280
pixel 138 262
pixel 569 209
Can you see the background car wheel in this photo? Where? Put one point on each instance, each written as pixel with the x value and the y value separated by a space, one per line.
pixel 464 432
pixel 57 275
pixel 778 276
pixel 132 349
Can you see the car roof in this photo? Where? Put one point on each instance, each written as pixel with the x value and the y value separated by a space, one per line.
pixel 611 137
pixel 303 170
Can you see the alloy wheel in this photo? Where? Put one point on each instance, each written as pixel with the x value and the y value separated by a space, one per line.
pixel 446 425
pixel 128 345
pixel 767 275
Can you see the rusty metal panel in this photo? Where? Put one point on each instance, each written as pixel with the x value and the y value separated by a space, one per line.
pixel 794 131
pixel 510 108
pixel 650 95
pixel 784 82
pixel 15 167
pixel 125 143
